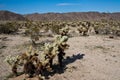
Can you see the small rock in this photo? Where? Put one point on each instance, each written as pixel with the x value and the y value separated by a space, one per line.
pixel 114 55
pixel 106 59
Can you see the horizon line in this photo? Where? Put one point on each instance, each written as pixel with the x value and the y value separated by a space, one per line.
pixel 60 12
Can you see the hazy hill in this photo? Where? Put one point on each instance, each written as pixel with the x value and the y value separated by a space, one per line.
pixel 71 16
pixel 10 16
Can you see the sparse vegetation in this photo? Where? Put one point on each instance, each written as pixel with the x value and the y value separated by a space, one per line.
pixel 37 60
pixel 33 64
pixel 8 28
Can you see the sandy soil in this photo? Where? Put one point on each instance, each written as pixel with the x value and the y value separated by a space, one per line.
pixel 89 58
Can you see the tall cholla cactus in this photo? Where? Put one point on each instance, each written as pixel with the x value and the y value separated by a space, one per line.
pixel 57 47
pixel 61 44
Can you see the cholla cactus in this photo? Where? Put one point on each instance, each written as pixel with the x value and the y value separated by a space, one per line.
pixel 13 62
pixel 64 31
pixel 83 30
pixel 56 48
pixel 30 61
pixel 61 40
pixel 50 52
pixel 33 64
pixel 48 48
pixel 60 43
pixel 31 51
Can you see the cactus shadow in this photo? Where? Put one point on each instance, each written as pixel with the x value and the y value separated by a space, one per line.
pixel 59 70
pixel 73 58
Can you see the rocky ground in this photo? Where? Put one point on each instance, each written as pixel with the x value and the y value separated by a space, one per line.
pixel 88 58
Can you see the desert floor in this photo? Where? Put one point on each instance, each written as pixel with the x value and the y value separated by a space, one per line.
pixel 88 58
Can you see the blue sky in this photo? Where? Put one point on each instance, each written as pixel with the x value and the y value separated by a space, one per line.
pixel 61 6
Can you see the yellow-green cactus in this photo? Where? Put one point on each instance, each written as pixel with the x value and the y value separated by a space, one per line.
pixel 11 59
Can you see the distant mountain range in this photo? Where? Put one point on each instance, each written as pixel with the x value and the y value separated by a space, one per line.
pixel 71 16
pixel 10 16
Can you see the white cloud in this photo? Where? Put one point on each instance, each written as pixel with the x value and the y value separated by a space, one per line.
pixel 67 4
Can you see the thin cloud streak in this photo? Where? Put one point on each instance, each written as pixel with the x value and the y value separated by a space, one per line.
pixel 67 4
